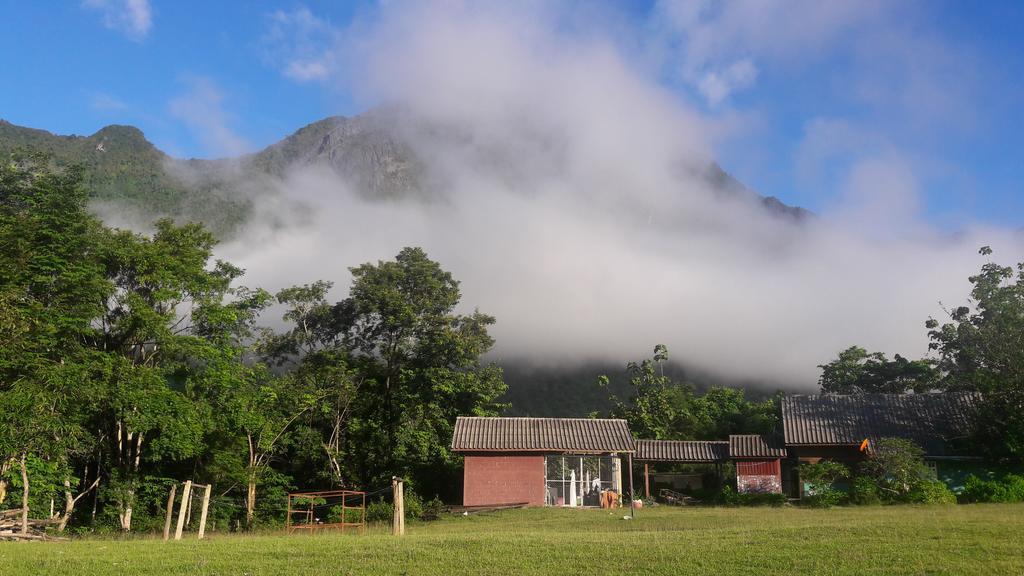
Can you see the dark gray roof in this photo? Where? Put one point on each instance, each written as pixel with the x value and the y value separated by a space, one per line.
pixel 577 435
pixel 936 422
pixel 682 451
pixel 755 446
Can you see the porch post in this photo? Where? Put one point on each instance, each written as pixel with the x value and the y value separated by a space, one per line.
pixel 647 482
pixel 632 508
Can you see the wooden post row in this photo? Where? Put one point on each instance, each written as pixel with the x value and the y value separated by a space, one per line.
pixel 206 507
pixel 185 495
pixel 398 524
pixel 170 512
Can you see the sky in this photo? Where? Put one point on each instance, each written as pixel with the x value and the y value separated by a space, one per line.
pixel 796 88
pixel 568 211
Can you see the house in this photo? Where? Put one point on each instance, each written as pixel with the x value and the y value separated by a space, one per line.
pixel 542 461
pixel 836 427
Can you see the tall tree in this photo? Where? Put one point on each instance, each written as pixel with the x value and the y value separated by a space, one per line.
pixel 981 347
pixel 424 362
pixel 312 348
pixel 51 287
pixel 657 408
pixel 147 333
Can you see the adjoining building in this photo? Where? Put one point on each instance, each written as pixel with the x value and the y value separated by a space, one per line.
pixel 700 453
pixel 844 428
pixel 542 461
pixel 758 463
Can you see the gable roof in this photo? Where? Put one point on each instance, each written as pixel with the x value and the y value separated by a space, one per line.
pixel 936 422
pixel 578 435
pixel 755 446
pixel 682 451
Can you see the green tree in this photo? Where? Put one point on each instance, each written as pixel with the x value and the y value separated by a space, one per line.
pixel 657 408
pixel 857 371
pixel 51 287
pixel 422 364
pixel 151 344
pixel 312 348
pixel 897 466
pixel 981 348
pixel 661 409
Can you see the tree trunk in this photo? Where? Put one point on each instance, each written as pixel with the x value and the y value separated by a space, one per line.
pixel 69 506
pixel 24 496
pixel 70 501
pixel 125 513
pixel 250 501
pixel 4 467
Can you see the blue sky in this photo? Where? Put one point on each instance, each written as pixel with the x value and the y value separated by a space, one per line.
pixel 801 96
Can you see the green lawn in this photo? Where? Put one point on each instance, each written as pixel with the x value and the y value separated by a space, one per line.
pixel 970 539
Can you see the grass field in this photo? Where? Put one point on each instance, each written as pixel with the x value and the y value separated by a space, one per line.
pixel 970 539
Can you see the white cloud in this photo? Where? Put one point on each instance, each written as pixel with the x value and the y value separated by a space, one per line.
pixel 705 40
pixel 717 86
pixel 571 206
pixel 201 107
pixel 300 44
pixel 134 18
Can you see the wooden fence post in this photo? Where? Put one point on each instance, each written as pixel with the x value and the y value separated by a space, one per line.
pixel 186 493
pixel 170 512
pixel 206 507
pixel 632 495
pixel 398 525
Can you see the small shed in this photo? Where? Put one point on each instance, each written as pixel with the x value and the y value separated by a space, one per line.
pixel 758 463
pixel 541 461
pixel 680 452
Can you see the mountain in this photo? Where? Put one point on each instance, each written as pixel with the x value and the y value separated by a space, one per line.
pixel 124 171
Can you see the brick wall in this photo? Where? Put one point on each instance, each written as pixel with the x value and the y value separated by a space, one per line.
pixel 503 479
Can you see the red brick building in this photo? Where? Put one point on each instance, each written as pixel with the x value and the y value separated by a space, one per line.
pixel 542 461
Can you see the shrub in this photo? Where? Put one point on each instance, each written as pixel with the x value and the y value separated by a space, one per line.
pixel 819 479
pixel 823 498
pixel 930 492
pixel 380 511
pixel 413 505
pixel 415 509
pixel 1010 488
pixel 897 468
pixel 729 497
pixel 864 492
pixel 433 509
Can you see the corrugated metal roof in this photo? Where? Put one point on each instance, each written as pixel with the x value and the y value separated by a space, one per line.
pixel 579 435
pixel 682 451
pixel 755 446
pixel 936 422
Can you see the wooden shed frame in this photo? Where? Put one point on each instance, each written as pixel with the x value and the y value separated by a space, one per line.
pixel 306 511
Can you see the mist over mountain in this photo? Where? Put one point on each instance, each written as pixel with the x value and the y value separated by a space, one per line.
pixel 574 195
pixel 126 174
pixel 132 183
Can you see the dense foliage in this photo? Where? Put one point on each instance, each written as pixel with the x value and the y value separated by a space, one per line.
pixel 660 408
pixel 1009 488
pixel 129 362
